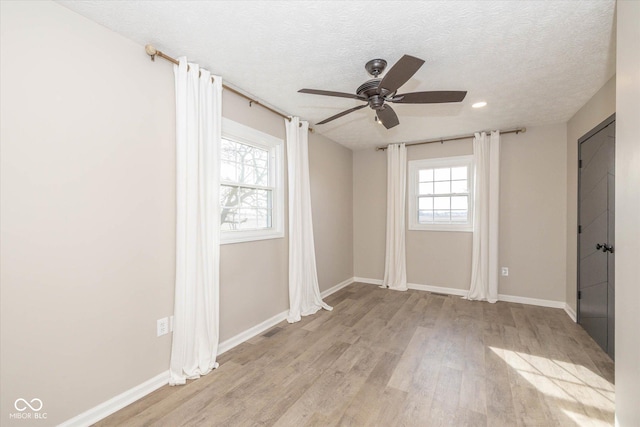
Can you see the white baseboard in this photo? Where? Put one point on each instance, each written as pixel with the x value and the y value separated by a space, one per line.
pixel 570 311
pixel 462 293
pixel 261 327
pixel 416 286
pixel 337 287
pixel 438 289
pixel 234 341
pixel 531 301
pixel 368 281
pixel 114 404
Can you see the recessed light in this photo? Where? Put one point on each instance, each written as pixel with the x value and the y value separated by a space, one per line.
pixel 479 104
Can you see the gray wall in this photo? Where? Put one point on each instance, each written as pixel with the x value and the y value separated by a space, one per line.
pixel 627 215
pixel 532 216
pixel 87 211
pixel 87 214
pixel 265 262
pixel 253 275
pixel 533 213
pixel 331 171
pixel 369 212
pixel 433 257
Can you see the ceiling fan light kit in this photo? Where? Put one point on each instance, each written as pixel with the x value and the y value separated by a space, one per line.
pixel 377 92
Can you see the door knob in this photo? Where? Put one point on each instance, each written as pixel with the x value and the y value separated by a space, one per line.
pixel 604 247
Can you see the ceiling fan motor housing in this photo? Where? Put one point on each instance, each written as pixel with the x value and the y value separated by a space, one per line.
pixel 369 90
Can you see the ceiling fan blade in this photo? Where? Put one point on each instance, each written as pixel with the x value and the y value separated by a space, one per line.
pixel 388 117
pixel 433 97
pixel 400 73
pixel 344 113
pixel 331 93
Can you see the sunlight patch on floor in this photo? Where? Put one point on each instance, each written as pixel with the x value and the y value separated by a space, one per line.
pixel 566 381
pixel 583 420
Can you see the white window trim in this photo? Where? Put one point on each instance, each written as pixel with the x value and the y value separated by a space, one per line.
pixel 414 167
pixel 247 135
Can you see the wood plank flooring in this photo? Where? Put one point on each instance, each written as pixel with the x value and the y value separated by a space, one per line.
pixel 387 358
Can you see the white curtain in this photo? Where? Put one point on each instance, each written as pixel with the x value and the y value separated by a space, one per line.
pixel 395 271
pixel 304 292
pixel 196 312
pixel 484 262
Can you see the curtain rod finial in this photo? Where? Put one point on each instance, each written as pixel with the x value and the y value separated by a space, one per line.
pixel 151 51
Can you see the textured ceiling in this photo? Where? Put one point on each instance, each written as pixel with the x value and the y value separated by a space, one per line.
pixel 533 62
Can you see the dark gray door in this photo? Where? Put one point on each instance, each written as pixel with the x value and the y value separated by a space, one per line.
pixel 596 181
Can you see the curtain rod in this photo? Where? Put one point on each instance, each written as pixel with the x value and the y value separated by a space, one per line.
pixel 453 138
pixel 153 52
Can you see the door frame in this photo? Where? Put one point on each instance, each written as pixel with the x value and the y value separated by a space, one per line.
pixel 606 122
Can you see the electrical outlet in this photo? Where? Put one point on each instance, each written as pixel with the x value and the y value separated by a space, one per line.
pixel 504 271
pixel 163 326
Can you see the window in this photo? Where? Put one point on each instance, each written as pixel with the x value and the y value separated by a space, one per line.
pixel 441 194
pixel 251 184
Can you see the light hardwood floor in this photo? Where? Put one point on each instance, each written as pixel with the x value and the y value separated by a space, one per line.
pixel 386 358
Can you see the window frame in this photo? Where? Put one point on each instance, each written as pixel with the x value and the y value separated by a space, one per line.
pixel 413 179
pixel 242 134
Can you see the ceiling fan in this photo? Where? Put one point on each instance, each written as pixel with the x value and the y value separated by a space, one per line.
pixel 377 92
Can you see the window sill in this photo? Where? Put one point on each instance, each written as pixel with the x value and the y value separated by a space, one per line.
pixel 230 237
pixel 443 227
